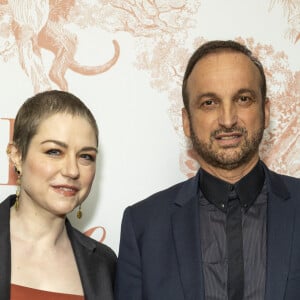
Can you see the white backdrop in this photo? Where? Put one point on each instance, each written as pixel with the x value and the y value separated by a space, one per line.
pixel 137 101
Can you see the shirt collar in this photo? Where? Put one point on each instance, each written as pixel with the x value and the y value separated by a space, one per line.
pixel 247 188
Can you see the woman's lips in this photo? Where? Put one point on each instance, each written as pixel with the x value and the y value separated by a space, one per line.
pixel 66 190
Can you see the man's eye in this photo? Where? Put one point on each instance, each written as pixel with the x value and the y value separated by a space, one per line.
pixel 209 104
pixel 53 152
pixel 245 100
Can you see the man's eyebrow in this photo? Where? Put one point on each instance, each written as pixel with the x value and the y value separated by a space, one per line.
pixel 206 95
pixel 64 145
pixel 252 92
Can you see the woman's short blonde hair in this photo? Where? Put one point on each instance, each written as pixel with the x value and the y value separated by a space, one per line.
pixel 41 106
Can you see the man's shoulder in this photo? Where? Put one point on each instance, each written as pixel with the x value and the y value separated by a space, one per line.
pixel 166 198
pixel 154 213
pixel 290 181
pixel 292 184
pixel 284 186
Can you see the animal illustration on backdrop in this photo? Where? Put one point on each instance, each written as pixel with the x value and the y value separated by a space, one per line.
pixel 40 24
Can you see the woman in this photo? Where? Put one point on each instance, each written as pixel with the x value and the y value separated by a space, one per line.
pixel 53 151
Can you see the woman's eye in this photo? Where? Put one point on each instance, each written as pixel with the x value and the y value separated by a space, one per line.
pixel 53 152
pixel 87 157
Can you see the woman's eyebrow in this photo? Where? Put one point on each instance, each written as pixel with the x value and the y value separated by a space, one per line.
pixel 64 145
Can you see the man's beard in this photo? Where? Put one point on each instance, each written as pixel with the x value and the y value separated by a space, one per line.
pixel 238 157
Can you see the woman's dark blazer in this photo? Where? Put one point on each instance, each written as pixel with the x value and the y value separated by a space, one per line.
pixel 95 261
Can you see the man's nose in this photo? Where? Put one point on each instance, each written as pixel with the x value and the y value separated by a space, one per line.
pixel 228 115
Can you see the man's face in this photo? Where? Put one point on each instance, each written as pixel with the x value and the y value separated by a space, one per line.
pixel 226 116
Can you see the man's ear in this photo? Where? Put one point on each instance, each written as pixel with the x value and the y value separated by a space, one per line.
pixel 186 122
pixel 15 156
pixel 267 112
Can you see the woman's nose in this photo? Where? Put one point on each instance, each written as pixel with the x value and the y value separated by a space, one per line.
pixel 70 167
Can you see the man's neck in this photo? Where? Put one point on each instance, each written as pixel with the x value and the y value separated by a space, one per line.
pixel 230 176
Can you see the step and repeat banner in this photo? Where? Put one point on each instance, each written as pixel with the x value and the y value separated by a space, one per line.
pixel 125 59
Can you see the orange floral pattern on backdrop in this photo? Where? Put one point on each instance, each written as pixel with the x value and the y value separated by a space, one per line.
pixel 292 12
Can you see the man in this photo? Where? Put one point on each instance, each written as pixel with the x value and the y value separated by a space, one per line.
pixel 233 231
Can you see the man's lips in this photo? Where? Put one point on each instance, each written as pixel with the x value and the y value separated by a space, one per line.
pixel 228 139
pixel 228 136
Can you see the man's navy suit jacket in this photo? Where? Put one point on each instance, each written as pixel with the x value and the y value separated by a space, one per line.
pixel 160 252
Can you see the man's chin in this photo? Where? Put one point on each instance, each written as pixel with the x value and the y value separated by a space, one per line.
pixel 231 161
pixel 229 154
pixel 227 159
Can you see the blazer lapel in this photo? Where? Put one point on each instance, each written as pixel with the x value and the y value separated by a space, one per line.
pixel 95 273
pixel 5 265
pixel 185 224
pixel 279 236
pixel 84 262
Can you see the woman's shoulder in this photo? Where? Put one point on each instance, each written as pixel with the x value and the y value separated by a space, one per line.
pixel 103 251
pixel 8 202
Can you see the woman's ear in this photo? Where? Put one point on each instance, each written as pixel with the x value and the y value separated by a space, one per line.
pixel 15 156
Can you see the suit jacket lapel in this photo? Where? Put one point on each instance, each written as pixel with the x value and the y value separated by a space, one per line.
pixel 5 265
pixel 84 262
pixel 279 236
pixel 185 224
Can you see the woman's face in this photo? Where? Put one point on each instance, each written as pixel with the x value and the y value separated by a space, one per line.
pixel 60 165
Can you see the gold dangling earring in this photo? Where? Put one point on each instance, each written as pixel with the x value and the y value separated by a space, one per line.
pixel 79 212
pixel 17 203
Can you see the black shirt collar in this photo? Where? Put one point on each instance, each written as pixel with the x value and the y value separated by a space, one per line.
pixel 247 189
